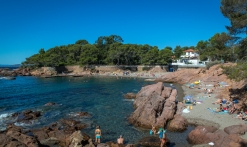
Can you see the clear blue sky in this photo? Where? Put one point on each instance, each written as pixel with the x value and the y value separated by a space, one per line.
pixel 29 25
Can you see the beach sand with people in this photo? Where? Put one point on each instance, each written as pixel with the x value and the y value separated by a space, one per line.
pixel 200 113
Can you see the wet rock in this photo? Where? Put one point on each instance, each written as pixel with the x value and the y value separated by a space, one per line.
pixel 178 124
pixel 27 115
pixel 151 141
pixel 27 140
pixel 50 104
pixel 82 114
pixel 103 145
pixel 12 127
pixel 130 145
pixel 90 143
pixel 112 144
pixel 130 95
pixel 78 139
pixel 69 122
pixel 50 141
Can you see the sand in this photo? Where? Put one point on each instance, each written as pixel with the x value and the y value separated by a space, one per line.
pixel 200 115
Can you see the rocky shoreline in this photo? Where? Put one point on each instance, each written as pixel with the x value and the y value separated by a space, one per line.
pixel 157 105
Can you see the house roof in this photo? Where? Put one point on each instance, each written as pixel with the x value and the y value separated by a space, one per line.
pixel 189 50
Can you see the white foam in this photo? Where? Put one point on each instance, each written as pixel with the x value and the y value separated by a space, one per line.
pixel 4 115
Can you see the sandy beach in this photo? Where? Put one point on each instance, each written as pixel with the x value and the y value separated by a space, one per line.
pixel 200 115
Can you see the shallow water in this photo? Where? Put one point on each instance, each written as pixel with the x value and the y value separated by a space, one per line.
pixel 102 97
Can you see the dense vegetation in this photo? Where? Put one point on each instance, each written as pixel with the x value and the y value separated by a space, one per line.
pixel 235 11
pixel 107 50
pixel 110 50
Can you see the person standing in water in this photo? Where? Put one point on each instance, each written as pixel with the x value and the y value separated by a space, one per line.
pixel 97 134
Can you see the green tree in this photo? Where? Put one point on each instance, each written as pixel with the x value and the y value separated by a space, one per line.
pixel 178 51
pixel 81 42
pixel 165 56
pixel 89 55
pixel 152 56
pixel 235 11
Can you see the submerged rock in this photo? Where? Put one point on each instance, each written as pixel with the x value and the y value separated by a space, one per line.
pixel 50 104
pixel 130 95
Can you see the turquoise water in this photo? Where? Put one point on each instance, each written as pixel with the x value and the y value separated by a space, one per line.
pixel 102 97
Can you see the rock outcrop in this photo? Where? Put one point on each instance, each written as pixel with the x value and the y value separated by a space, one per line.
pixel 155 105
pixel 178 124
pixel 14 136
pixel 7 72
pixel 44 71
pixel 236 129
pixel 205 134
pixel 130 95
pixel 151 141
pixel 27 116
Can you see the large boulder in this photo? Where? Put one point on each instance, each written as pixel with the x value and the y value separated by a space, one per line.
pixel 236 129
pixel 206 134
pixel 24 139
pixel 178 124
pixel 155 105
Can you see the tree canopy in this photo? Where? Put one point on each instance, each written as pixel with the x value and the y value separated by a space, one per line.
pixel 107 50
pixel 235 11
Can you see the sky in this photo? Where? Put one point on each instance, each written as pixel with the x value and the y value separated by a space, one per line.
pixel 26 26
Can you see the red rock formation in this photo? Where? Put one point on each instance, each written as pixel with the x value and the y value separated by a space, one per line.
pixel 204 135
pixel 178 124
pixel 155 105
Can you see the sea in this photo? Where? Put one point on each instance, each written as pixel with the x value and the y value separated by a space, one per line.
pixel 101 97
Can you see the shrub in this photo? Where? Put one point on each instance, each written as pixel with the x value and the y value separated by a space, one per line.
pixel 210 64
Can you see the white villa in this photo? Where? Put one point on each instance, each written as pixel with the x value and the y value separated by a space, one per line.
pixel 190 53
pixel 190 58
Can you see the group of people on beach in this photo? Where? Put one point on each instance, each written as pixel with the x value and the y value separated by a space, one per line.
pixel 161 133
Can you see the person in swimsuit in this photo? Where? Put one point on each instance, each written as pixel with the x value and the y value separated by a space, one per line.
pixel 120 140
pixel 160 132
pixel 97 134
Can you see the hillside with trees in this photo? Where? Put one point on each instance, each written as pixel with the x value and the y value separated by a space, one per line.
pixel 111 50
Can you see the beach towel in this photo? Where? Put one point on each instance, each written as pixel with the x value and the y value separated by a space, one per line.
pixel 213 110
pixel 186 111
